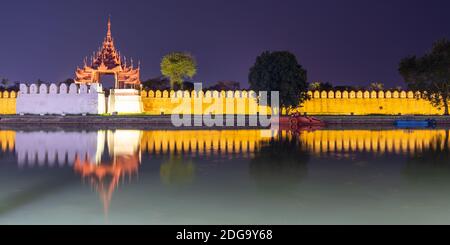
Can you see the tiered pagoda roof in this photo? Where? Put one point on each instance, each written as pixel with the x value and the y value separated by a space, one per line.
pixel 107 60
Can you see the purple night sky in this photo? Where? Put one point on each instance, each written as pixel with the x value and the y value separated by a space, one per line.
pixel 344 42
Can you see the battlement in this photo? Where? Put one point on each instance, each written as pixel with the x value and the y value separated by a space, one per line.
pixel 55 89
pixel 8 95
pixel 194 94
pixel 364 94
pixel 367 103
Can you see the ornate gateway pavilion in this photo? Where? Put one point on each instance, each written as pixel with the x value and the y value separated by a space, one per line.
pixel 107 61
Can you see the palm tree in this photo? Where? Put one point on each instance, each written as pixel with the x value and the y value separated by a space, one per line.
pixel 315 85
pixel 376 86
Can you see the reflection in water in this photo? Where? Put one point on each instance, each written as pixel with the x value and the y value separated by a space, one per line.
pixel 57 148
pixel 316 167
pixel 204 142
pixel 431 166
pixel 119 160
pixel 281 162
pixel 375 141
pixel 7 140
pixel 102 158
pixel 177 171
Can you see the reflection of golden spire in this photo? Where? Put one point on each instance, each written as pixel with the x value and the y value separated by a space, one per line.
pixel 105 177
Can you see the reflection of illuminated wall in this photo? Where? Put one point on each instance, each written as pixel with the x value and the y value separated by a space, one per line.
pixel 124 142
pixel 7 140
pixel 54 147
pixel 203 141
pixel 391 141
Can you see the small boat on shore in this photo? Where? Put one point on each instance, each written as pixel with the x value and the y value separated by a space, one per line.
pixel 296 122
pixel 411 123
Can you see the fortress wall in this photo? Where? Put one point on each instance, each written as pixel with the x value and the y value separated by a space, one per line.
pixel 60 99
pixel 8 102
pixel 367 103
pixel 321 103
pixel 203 103
pixel 82 99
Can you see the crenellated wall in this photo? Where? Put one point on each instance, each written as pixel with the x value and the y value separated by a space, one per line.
pixel 209 102
pixel 84 99
pixel 321 103
pixel 60 99
pixel 368 102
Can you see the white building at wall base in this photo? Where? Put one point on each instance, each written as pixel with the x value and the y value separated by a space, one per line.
pixel 125 101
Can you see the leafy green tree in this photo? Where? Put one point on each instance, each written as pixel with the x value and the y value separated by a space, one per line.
pixel 430 73
pixel 280 71
pixel 178 66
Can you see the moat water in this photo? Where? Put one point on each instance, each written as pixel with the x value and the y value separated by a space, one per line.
pixel 345 176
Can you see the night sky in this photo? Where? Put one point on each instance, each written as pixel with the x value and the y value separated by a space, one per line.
pixel 339 41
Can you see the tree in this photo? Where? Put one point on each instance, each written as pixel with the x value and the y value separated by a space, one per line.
pixel 39 82
pixel 376 86
pixel 178 66
pixel 67 82
pixel 321 86
pixel 280 71
pixel 315 86
pixel 345 88
pixel 4 83
pixel 15 87
pixel 225 86
pixel 430 73
pixel 159 83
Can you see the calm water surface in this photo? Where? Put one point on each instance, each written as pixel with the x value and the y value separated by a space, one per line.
pixel 224 177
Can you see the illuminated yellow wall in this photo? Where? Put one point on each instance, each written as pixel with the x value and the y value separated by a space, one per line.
pixel 231 102
pixel 8 102
pixel 365 103
pixel 321 103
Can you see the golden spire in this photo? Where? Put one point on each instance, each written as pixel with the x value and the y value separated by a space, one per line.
pixel 108 35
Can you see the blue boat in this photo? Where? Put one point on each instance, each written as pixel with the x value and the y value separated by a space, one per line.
pixel 415 123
